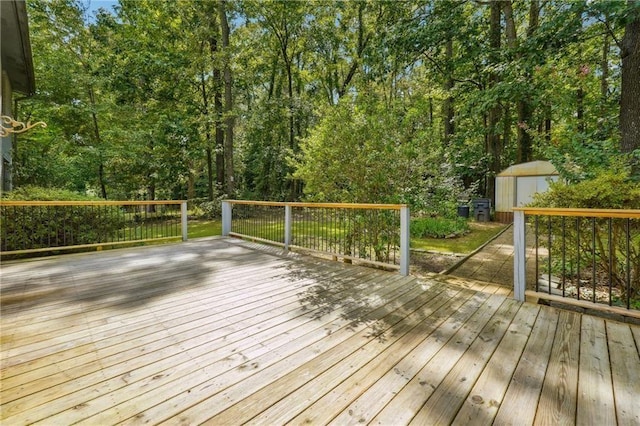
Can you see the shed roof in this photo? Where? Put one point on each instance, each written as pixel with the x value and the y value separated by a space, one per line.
pixel 16 47
pixel 533 168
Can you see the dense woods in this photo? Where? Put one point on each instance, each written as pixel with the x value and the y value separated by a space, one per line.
pixel 365 101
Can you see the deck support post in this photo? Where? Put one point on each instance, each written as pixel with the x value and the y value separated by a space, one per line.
pixel 183 220
pixel 519 256
pixel 287 227
pixel 404 240
pixel 226 218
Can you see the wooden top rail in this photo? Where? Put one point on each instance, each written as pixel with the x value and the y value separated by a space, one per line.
pixel 88 203
pixel 321 205
pixel 606 213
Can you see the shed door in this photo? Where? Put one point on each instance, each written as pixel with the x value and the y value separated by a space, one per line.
pixel 526 186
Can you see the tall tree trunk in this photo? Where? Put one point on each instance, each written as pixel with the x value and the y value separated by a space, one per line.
pixel 581 72
pixel 191 181
pixel 523 103
pixel 604 77
pixel 207 131
pixel 98 139
pixel 362 43
pixel 630 89
pixel 447 105
pixel 547 124
pixel 151 179
pixel 493 117
pixel 219 112
pixel 272 77
pixel 580 107
pixel 228 101
pixel 525 109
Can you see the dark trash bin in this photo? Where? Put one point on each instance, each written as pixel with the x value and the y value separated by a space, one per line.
pixel 482 209
pixel 463 211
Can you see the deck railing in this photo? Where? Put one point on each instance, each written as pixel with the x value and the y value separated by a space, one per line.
pixel 372 233
pixel 585 256
pixel 42 226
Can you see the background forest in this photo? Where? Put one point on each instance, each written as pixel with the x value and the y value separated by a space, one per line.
pixel 350 101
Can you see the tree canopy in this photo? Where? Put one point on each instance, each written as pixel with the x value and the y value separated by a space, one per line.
pixel 369 101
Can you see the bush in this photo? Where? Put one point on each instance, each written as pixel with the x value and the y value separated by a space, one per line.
pixel 201 208
pixel 40 227
pixel 438 227
pixel 612 189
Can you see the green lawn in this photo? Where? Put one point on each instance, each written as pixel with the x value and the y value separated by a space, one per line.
pixel 204 228
pixel 480 233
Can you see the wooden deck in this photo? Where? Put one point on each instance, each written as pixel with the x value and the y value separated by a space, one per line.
pixel 220 331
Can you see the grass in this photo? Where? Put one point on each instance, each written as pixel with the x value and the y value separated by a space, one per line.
pixel 480 232
pixel 204 228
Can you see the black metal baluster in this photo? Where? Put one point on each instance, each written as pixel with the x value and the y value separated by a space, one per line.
pixel 49 223
pixel 537 254
pixel 611 260
pixel 146 221
pixel 593 253
pixel 628 231
pixel 564 254
pixel 578 256
pixel 314 225
pixel 549 250
pixel 27 239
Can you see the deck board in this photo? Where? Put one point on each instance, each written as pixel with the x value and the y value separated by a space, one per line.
pixel 484 399
pixel 625 371
pixel 595 391
pixel 557 404
pixel 221 331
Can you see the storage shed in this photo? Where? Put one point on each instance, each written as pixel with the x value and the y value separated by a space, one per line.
pixel 516 185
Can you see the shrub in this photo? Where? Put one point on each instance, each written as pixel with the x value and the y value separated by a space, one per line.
pixel 438 227
pixel 611 189
pixel 201 208
pixel 50 226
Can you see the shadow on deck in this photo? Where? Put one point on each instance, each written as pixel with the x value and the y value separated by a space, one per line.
pixel 222 331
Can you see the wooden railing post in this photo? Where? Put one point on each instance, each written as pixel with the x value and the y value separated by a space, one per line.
pixel 519 255
pixel 405 238
pixel 226 218
pixel 183 220
pixel 287 226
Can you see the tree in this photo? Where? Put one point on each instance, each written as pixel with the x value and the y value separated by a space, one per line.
pixel 66 43
pixel 179 98
pixel 494 148
pixel 228 101
pixel 348 156
pixel 630 86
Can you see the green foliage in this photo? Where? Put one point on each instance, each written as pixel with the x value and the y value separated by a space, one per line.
pixel 586 239
pixel 36 193
pixel 40 227
pixel 364 83
pixel 363 152
pixel 610 189
pixel 202 208
pixel 438 227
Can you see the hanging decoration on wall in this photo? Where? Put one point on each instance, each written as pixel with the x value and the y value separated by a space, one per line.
pixel 10 126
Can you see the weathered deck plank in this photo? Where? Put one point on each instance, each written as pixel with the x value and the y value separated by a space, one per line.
pixel 625 371
pixel 557 404
pixel 595 391
pixel 486 396
pixel 225 332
